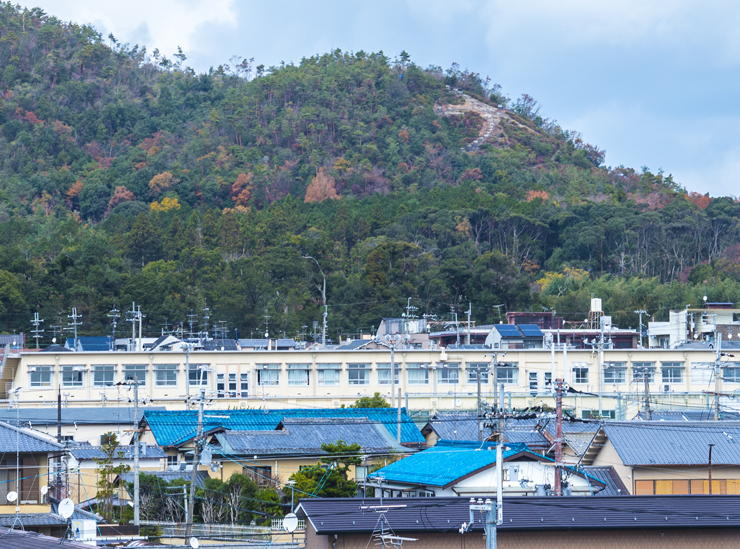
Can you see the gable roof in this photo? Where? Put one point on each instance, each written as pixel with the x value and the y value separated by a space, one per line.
pixel 668 443
pixel 446 514
pixel 173 427
pixel 122 452
pixel 444 466
pixel 25 440
pixel 613 485
pixel 302 436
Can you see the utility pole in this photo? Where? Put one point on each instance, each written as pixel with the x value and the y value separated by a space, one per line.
pixel 480 419
pixel 323 330
pixel 193 478
pixel 139 317
pixel 74 316
pixel 710 468
pixel 717 377
pixel 191 320
pixel 114 316
pixel 205 320
pixel 646 378
pixel 36 330
pixel 641 312
pixel 136 451
pixel 398 435
pixel 132 320
pixel 558 435
pixel 469 313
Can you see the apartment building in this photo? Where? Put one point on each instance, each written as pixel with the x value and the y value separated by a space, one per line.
pixel 614 384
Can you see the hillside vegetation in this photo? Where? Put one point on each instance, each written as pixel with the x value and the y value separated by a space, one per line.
pixel 125 176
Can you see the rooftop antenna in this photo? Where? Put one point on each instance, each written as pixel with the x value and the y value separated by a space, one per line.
pixel 498 307
pixel 191 321
pixel 36 330
pixel 73 325
pixel 267 325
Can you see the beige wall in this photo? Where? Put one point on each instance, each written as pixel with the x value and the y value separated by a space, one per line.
pixel 601 539
pixel 431 396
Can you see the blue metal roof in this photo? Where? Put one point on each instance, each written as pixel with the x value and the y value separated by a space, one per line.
pixel 443 466
pixel 530 330
pixel 173 427
pixel 507 330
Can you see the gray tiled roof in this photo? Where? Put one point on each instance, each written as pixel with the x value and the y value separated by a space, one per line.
pixel 25 441
pixel 96 452
pixel 169 476
pixel 607 475
pixel 354 345
pixel 668 443
pixel 19 539
pixel 305 436
pixel 34 519
pixel 110 415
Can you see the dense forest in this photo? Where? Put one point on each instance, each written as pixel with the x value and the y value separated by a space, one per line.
pixel 127 177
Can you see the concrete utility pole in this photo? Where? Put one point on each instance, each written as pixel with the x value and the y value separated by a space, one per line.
pixel 480 419
pixel 558 435
pixel 469 312
pixel 710 468
pixel 646 378
pixel 199 434
pixel 717 377
pixel 37 331
pixel 323 329
pixel 399 416
pixel 641 312
pixel 136 451
pixel 74 316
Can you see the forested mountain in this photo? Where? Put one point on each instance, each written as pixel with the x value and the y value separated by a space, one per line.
pixel 125 176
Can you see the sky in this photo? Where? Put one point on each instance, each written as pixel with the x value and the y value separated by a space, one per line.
pixel 653 83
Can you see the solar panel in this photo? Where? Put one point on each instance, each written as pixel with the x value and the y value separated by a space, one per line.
pixel 531 330
pixel 506 330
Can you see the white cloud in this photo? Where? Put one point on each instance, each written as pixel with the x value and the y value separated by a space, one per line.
pixel 165 24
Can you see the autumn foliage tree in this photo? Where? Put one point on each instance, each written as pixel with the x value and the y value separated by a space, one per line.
pixel 162 182
pixel 120 195
pixel 321 187
pixel 241 190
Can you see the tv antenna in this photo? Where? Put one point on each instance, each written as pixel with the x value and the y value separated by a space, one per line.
pixel 73 325
pixel 37 331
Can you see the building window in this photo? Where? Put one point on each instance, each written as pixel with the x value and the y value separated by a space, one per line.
pixel 220 385
pixel 40 376
pixel 165 375
pixel 268 374
pixel 642 369
pixel 244 385
pixel 449 374
pixel 359 374
pixel 548 381
pixel 580 372
pixel 594 414
pixel 686 487
pixel 615 373
pixel 298 374
pixel 197 375
pixel 417 373
pixel 135 370
pixel 672 372
pixel 701 374
pixel 329 374
pixel 507 373
pixel 261 475
pixel 731 374
pixel 473 368
pixel 361 472
pixel 72 376
pixel 103 375
pixel 384 373
pixel 232 385
pixel 171 460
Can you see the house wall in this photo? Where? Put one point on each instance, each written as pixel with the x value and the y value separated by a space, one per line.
pixel 432 395
pixel 608 456
pixel 601 539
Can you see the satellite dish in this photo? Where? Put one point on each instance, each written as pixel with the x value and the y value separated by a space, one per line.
pixel 11 497
pixel 44 490
pixel 290 522
pixel 66 508
pixel 194 543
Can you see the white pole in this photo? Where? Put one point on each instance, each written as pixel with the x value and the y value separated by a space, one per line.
pixel 136 451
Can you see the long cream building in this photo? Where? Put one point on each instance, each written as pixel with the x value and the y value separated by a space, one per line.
pixel 612 385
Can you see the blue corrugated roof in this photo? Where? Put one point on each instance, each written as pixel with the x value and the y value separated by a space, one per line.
pixel 171 427
pixel 443 466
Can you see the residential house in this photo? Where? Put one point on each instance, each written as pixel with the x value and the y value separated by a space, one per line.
pixel 175 432
pixel 296 443
pixel 660 457
pixel 519 336
pixel 658 522
pixel 468 469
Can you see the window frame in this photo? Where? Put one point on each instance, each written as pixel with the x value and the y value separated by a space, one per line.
pixel 580 374
pixel 444 374
pixel 470 372
pixel 131 370
pixel 668 372
pixel 618 368
pixel 105 371
pixel 507 373
pixel 165 375
pixel 417 373
pixel 299 375
pixel 73 369
pixel 335 368
pixel 638 372
pixel 385 367
pixel 358 373
pixel 195 371
pixel 274 372
pixel 40 372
